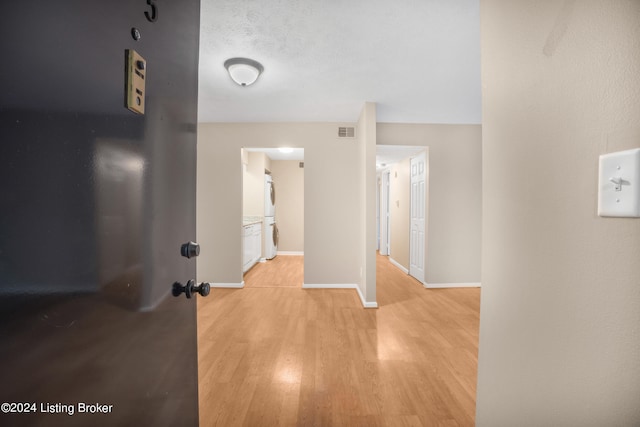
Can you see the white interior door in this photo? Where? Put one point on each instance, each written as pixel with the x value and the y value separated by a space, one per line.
pixel 418 207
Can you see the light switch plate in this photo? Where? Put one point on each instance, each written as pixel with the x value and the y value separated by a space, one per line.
pixel 619 184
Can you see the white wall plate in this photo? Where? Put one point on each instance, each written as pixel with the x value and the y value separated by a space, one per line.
pixel 619 184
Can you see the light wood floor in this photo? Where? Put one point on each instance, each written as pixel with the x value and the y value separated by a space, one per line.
pixel 284 271
pixel 296 357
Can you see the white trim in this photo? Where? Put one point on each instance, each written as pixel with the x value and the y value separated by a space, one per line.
pixel 228 285
pixel 385 212
pixel 451 285
pixel 397 264
pixel 290 253
pixel 329 286
pixel 365 304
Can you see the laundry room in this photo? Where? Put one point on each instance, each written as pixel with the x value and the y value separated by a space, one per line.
pixel 273 216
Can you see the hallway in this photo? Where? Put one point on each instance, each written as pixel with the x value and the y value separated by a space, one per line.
pixel 283 356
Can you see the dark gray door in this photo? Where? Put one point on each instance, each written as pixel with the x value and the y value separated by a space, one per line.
pixel 95 202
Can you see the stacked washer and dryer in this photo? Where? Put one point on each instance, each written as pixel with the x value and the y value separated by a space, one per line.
pixel 270 228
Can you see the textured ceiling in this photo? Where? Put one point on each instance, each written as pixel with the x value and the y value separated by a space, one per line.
pixel 418 60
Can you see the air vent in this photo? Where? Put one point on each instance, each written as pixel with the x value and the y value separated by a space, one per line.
pixel 346 132
pixel 301 164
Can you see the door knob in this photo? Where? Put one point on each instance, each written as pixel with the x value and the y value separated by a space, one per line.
pixel 190 288
pixel 203 289
pixel 190 249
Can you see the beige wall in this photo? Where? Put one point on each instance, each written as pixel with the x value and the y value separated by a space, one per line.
pixel 288 177
pixel 245 156
pixel 218 209
pixel 399 211
pixel 560 311
pixel 455 196
pixel 253 184
pixel 267 163
pixel 366 133
pixel 333 215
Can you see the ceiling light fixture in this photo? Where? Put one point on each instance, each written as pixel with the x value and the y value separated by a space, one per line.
pixel 243 71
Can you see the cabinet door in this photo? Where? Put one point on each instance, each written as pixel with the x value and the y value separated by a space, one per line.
pixel 257 239
pixel 247 244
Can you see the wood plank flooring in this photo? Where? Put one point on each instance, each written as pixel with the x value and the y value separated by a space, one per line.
pixel 315 357
pixel 284 271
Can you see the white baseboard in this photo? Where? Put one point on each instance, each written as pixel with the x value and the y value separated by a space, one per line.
pixel 329 286
pixel 397 264
pixel 227 285
pixel 290 253
pixel 365 304
pixel 451 285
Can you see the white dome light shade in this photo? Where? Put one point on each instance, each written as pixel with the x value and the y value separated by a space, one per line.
pixel 243 71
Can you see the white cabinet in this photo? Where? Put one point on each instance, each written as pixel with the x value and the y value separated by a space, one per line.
pixel 252 245
pixel 246 248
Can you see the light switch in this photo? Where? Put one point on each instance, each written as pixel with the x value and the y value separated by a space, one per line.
pixel 619 184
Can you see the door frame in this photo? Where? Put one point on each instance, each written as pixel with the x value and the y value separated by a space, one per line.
pixel 385 214
pixel 244 154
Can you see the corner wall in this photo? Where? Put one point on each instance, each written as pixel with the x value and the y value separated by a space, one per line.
pixel 560 309
pixel 367 146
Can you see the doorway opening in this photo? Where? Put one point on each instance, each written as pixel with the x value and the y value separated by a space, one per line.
pixel 403 206
pixel 273 217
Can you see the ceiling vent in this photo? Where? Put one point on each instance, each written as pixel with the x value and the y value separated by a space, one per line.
pixel 346 132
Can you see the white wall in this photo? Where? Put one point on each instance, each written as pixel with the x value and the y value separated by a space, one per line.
pixel 560 310
pixel 333 215
pixel 455 196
